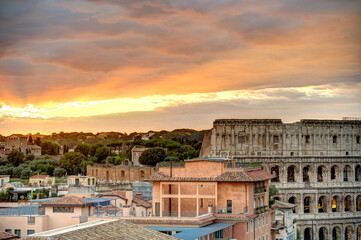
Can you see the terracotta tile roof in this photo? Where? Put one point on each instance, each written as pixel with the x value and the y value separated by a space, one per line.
pixel 69 201
pixel 233 176
pixel 142 202
pixel 117 193
pixel 229 176
pixel 260 175
pixel 1 176
pixel 39 176
pixel 6 235
pixel 136 200
pixel 119 229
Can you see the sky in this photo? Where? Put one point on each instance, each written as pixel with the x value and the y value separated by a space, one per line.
pixel 140 65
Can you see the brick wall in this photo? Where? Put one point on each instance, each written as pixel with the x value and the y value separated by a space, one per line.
pixel 111 173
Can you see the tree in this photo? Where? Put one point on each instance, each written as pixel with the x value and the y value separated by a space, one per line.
pixel 40 168
pixel 94 148
pixel 272 190
pixel 71 162
pixel 59 172
pixel 30 140
pixel 30 157
pixel 49 169
pixel 26 173
pixel 49 148
pixel 16 157
pixel 37 141
pixel 185 148
pixel 83 148
pixel 152 156
pixel 102 153
pixel 17 171
pixel 190 154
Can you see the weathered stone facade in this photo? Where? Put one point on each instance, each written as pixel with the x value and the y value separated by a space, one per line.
pixel 110 173
pixel 317 164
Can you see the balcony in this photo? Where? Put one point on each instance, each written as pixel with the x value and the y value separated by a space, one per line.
pixel 259 190
pixel 260 210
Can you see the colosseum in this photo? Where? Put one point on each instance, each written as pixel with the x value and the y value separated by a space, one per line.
pixel 316 164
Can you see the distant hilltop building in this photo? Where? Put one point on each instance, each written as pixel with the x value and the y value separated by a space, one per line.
pixel 19 142
pixel 316 164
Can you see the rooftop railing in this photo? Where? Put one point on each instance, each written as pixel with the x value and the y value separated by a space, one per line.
pixel 20 211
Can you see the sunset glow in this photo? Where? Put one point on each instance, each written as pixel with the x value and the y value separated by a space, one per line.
pixel 142 65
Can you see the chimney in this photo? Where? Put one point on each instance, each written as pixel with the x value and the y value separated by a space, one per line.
pixel 129 196
pixel 126 211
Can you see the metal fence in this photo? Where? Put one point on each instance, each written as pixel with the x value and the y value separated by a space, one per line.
pixel 20 211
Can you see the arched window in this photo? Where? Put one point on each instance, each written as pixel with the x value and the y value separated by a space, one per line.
pixel 322 233
pixel 348 204
pixel 142 174
pixel 346 173
pixel 293 201
pixel 306 205
pixel 306 177
pixel 320 174
pixel 336 233
pixel 348 233
pixel 334 172
pixel 358 203
pixel 275 172
pixel 359 232
pixel 307 234
pixel 335 204
pixel 291 174
pixel 358 173
pixel 322 205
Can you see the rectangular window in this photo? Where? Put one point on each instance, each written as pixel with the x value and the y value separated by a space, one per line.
pixel 8 230
pixel 201 202
pixel 358 139
pixel 262 201
pixel 251 225
pixel 219 234
pixel 266 219
pixel 30 232
pixel 275 139
pixel 247 226
pixel 262 220
pixel 229 206
pixel 267 237
pixel 334 139
pixel 63 209
pixel 254 203
pixel 18 232
pixel 259 222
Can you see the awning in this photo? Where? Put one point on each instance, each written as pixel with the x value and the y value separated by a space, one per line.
pixel 189 233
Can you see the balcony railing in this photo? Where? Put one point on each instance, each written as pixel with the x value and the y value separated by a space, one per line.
pixel 260 210
pixel 260 190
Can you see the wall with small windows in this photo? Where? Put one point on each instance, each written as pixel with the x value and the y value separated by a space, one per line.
pixel 272 137
pixel 22 225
